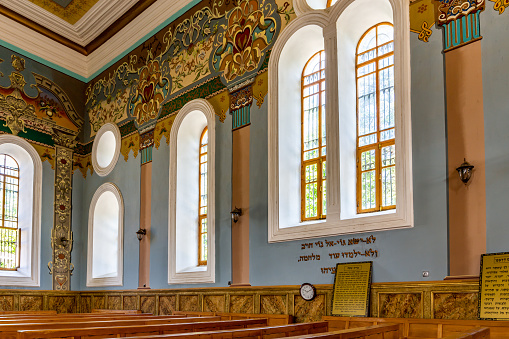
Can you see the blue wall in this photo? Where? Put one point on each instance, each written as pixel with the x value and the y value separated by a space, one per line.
pixel 495 55
pixel 403 254
pixel 126 175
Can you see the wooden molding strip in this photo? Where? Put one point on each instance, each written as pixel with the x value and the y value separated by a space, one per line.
pixel 120 23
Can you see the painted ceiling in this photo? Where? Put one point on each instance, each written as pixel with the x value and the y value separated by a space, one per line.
pixel 68 10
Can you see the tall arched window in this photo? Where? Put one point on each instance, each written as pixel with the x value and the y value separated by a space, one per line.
pixel 376 157
pixel 313 171
pixel 202 218
pixel 9 231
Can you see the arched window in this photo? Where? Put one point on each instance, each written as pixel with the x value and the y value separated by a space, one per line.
pixel 313 170
pixel 202 218
pixel 191 214
pixel 105 237
pixel 10 233
pixel 20 201
pixel 376 157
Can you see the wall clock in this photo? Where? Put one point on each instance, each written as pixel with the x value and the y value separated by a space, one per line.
pixel 307 291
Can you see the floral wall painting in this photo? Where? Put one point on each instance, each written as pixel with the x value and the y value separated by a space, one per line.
pixel 243 40
pixel 227 40
pixel 149 91
pixel 113 109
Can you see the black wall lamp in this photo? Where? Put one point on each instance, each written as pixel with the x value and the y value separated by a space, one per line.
pixel 141 233
pixel 465 171
pixel 236 213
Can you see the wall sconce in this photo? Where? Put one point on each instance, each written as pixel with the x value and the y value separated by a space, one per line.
pixel 465 171
pixel 236 213
pixel 63 241
pixel 140 233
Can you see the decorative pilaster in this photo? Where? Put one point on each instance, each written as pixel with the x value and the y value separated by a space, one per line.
pixel 241 99
pixel 61 235
pixel 460 19
pixel 465 133
pixel 146 146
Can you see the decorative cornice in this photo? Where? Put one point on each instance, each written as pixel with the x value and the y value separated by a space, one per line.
pixel 89 27
pixel 85 62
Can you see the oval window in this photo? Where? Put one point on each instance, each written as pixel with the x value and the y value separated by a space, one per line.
pixel 106 149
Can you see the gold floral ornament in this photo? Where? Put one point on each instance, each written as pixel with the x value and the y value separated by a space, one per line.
pixel 244 39
pixel 14 106
pixel 150 91
pixel 500 5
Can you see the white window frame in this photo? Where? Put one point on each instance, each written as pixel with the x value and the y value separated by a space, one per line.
pixel 118 279
pixel 183 191
pixel 340 48
pixel 30 199
pixel 108 127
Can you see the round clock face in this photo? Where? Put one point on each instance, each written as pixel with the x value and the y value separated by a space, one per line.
pixel 307 291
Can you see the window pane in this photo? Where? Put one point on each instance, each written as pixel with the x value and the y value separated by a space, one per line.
pixel 311 200
pixel 368 190
pixel 9 240
pixel 388 156
pixel 368 42
pixel 385 34
pixel 389 186
pixel 368 160
pixel 324 197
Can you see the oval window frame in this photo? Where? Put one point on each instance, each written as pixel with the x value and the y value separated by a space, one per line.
pixel 108 127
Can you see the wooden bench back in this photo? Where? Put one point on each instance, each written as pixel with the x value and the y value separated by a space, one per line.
pixel 130 331
pixel 37 320
pixel 100 310
pixel 476 333
pixel 9 331
pixel 423 328
pixel 308 330
pixel 383 331
pixel 273 319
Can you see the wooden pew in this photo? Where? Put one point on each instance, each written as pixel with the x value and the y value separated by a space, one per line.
pixel 9 331
pixel 476 333
pixel 45 320
pixel 273 319
pixel 423 328
pixel 295 331
pixel 100 310
pixel 27 312
pixel 129 331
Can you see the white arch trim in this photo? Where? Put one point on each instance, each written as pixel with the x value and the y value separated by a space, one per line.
pixel 29 211
pixel 117 278
pixel 191 274
pixel 338 220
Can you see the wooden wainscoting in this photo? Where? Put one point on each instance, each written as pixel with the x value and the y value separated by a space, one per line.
pixel 455 299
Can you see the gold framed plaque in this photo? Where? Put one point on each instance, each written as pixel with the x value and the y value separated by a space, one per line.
pixel 494 286
pixel 352 285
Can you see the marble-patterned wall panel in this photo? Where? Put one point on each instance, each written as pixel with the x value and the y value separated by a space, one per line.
pixel 86 304
pixel 213 303
pixel 455 305
pixel 99 303
pixel 30 303
pixel 130 302
pixel 400 305
pixel 306 311
pixel 273 304
pixel 148 304
pixel 114 302
pixel 241 304
pixel 62 304
pixel 7 303
pixel 167 304
pixel 190 303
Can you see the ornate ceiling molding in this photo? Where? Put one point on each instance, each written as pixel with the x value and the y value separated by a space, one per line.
pixel 89 27
pixel 76 59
